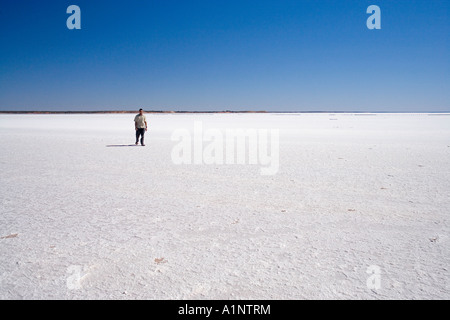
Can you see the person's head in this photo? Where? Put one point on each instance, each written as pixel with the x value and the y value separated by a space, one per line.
pixel 141 111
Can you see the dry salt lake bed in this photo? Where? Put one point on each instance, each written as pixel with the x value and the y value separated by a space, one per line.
pixel 357 208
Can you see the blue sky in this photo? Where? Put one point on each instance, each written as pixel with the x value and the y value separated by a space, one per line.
pixel 216 55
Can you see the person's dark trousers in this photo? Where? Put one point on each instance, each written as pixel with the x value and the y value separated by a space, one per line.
pixel 140 133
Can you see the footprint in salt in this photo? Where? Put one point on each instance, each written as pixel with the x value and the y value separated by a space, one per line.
pixel 10 236
pixel 160 260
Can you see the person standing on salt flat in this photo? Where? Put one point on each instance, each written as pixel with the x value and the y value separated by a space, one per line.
pixel 140 125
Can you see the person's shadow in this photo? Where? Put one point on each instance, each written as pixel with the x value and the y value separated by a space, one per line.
pixel 121 145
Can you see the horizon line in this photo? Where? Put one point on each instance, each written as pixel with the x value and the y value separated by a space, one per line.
pixel 197 111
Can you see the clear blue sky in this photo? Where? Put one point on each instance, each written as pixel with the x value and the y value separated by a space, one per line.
pixel 270 55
